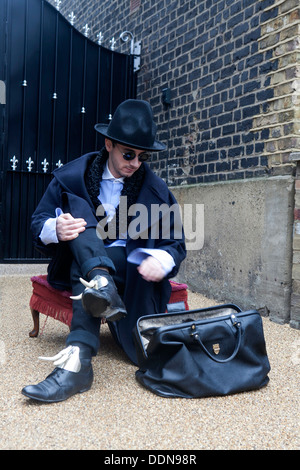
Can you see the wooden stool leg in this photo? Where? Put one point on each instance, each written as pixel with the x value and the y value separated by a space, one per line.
pixel 36 323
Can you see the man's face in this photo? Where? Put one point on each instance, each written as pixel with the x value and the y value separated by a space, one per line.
pixel 118 166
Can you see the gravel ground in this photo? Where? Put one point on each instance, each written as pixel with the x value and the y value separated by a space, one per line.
pixel 117 413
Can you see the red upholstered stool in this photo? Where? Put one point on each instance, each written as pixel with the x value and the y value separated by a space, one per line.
pixel 57 304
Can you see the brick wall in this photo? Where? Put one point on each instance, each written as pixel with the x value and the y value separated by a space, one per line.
pixel 233 70
pixel 211 56
pixel 295 297
pixel 279 34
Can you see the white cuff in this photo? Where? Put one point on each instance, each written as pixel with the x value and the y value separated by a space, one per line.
pixel 48 233
pixel 166 260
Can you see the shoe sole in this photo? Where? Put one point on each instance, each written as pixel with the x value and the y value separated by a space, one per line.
pixel 97 307
pixel 54 401
pixel 116 316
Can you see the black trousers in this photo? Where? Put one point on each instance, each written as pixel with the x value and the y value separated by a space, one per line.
pixel 89 252
pixel 83 254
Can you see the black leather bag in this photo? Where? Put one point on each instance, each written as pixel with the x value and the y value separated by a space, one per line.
pixel 199 353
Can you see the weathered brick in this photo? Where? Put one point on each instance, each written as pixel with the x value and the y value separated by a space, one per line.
pixel 228 63
pixel 296 272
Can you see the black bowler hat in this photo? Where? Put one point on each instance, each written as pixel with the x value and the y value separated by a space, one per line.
pixel 132 125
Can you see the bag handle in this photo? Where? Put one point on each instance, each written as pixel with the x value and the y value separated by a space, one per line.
pixel 237 324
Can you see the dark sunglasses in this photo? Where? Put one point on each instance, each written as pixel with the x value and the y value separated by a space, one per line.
pixel 130 155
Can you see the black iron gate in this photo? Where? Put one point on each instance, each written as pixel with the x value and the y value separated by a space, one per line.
pixel 58 85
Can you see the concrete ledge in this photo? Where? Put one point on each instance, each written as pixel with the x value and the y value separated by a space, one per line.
pixel 247 253
pixel 22 269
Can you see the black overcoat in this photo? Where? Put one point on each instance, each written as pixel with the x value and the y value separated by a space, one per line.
pixel 140 297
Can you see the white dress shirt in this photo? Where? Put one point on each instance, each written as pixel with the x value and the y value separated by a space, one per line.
pixel 110 190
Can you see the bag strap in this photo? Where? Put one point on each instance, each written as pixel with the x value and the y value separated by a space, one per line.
pixel 237 324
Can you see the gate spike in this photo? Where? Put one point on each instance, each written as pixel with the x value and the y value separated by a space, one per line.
pixel 112 44
pixel 86 30
pixel 57 4
pixel 30 164
pixel 100 38
pixel 45 165
pixel 72 18
pixel 14 162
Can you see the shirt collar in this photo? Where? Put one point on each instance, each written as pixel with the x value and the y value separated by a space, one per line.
pixel 107 175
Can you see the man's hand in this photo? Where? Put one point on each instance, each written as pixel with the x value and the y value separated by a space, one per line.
pixel 68 228
pixel 151 270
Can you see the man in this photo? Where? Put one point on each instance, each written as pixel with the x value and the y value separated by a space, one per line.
pixel 116 262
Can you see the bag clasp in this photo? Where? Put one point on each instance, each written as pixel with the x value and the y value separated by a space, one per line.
pixel 194 333
pixel 235 321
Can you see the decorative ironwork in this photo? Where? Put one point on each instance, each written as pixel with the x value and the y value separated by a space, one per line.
pixel 137 56
pixel 86 30
pixel 135 48
pixel 100 38
pixel 14 162
pixel 63 69
pixel 72 18
pixel 30 163
pixel 45 165
pixel 112 43
pixel 57 4
pixel 125 36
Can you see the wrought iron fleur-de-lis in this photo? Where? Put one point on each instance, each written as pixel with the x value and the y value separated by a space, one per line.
pixel 45 165
pixel 57 4
pixel 86 30
pixel 14 162
pixel 100 38
pixel 30 163
pixel 112 43
pixel 72 18
pixel 59 164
